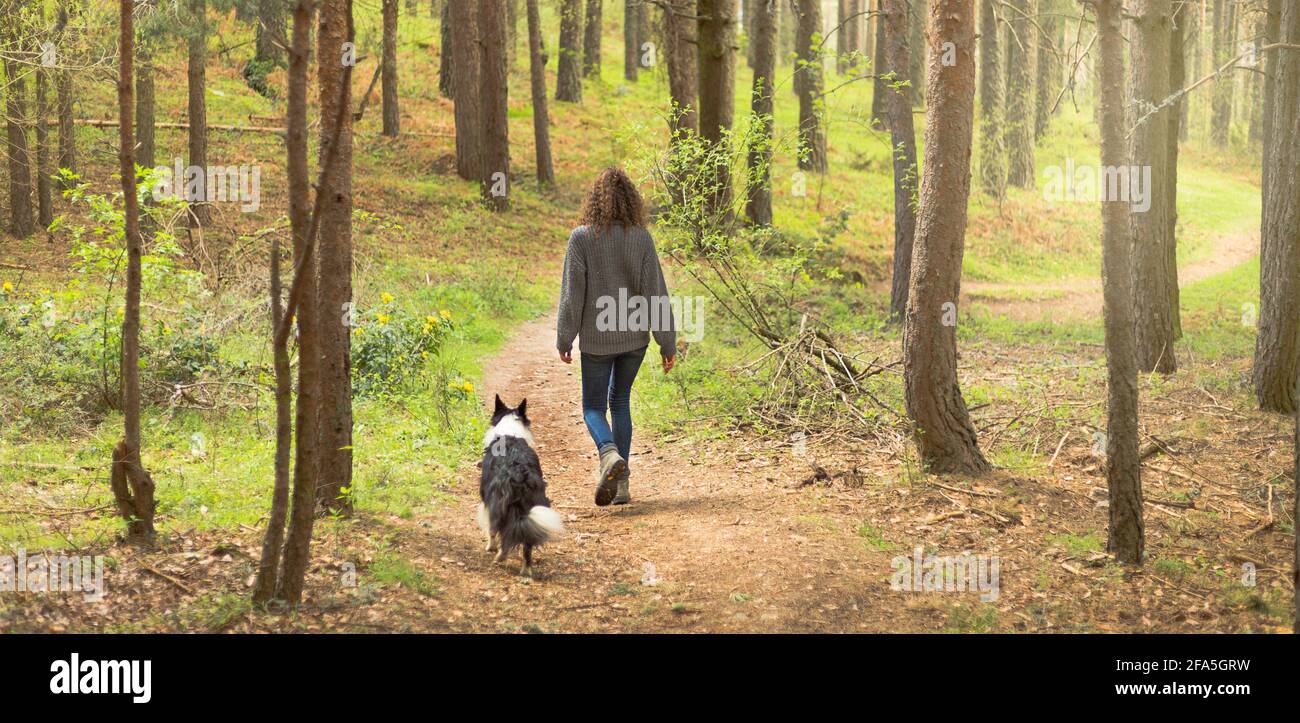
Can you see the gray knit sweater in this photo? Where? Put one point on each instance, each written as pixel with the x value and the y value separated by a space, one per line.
pixel 613 295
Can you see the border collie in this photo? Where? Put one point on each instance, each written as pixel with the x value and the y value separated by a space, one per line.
pixel 514 511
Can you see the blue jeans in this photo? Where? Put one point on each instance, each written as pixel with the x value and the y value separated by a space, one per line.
pixel 607 385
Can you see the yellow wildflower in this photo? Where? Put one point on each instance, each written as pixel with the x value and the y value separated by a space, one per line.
pixel 383 318
pixel 386 297
pixel 8 287
pixel 445 314
pixel 469 388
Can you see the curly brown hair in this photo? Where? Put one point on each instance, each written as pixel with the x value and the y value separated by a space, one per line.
pixel 613 201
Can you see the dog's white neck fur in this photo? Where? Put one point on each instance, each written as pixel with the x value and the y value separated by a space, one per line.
pixel 509 426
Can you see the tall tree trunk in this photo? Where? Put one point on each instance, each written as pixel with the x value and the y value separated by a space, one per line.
pixel 44 192
pixel 1049 67
pixel 198 110
pixel 993 159
pixel 1154 277
pixel 944 434
pixel 1177 77
pixel 146 155
pixel 1019 139
pixel 512 32
pixel 496 141
pixel 716 34
pixel 683 65
pixel 335 290
pixel 132 486
pixel 591 40
pixel 879 84
pixel 1225 44
pixel 67 130
pixel 447 65
pixel 920 49
pixel 469 112
pixel 21 219
pixel 568 80
pixel 267 582
pixel 898 106
pixel 631 40
pixel 758 207
pixel 392 116
pixel 1123 466
pixel 808 84
pixel 1276 346
pixel 541 117
pixel 842 43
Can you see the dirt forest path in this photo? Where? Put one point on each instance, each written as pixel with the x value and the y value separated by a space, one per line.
pixel 1081 297
pixel 700 548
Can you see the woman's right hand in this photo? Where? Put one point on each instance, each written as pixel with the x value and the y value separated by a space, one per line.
pixel 669 361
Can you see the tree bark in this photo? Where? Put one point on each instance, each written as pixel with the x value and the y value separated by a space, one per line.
pixel 267 582
pixel 1155 278
pixel 1276 346
pixel 1047 85
pixel 1180 12
pixel 758 206
pixel 683 66
pixel 1225 43
pixel 591 40
pixel 808 85
pixel 1123 466
pixel 392 115
pixel 541 117
pixel 568 81
pixel 879 84
pixel 334 449
pixel 44 186
pixel 469 113
pixel 943 431
pixel 128 471
pixel 716 34
pixel 22 221
pixel 67 131
pixel 631 41
pixel 496 142
pixel 898 107
pixel 145 115
pixel 447 66
pixel 1019 139
pixel 196 84
pixel 993 168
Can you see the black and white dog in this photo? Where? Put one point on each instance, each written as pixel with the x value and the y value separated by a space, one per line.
pixel 514 511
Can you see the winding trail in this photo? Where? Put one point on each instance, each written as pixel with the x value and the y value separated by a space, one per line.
pixel 701 547
pixel 1081 297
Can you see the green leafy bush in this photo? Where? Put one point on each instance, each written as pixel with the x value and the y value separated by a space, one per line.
pixel 391 348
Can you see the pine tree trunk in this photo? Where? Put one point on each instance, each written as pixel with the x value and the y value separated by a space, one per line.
pixel 146 155
pixel 302 515
pixel 447 65
pixel 1047 83
pixel 469 113
pixel 944 434
pixel 512 32
pixel 496 141
pixel 1225 43
pixel 631 41
pixel 1177 78
pixel 198 110
pixel 716 35
pixel 808 84
pixel 267 582
pixel 898 107
pixel 132 486
pixel 758 207
pixel 1019 138
pixel 591 40
pixel 920 48
pixel 1123 466
pixel 335 291
pixel 841 36
pixel 993 168
pixel 541 116
pixel 67 130
pixel 683 66
pixel 1276 345
pixel 1154 277
pixel 879 86
pixel 22 221
pixel 568 81
pixel 392 115
pixel 44 186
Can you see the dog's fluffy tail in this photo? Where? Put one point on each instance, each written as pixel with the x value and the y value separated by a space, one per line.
pixel 542 524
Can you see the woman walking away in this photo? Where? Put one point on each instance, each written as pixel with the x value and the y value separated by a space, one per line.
pixel 613 298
